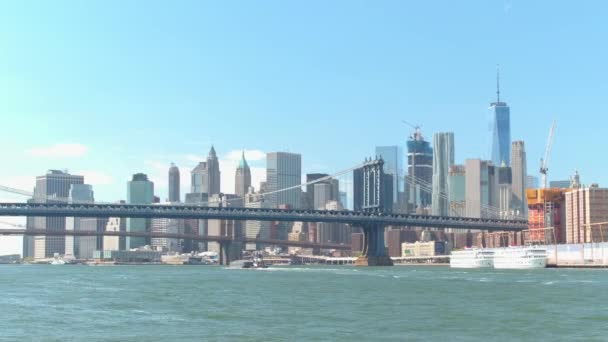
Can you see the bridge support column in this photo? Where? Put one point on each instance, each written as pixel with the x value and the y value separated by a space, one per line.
pixel 374 253
pixel 224 254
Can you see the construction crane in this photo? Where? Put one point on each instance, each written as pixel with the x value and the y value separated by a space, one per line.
pixel 544 162
pixel 417 133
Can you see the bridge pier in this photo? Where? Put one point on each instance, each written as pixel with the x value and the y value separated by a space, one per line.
pixel 374 253
pixel 224 253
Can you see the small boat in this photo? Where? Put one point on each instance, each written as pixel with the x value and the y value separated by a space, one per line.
pixel 520 257
pixel 57 262
pixel 472 258
pixel 253 263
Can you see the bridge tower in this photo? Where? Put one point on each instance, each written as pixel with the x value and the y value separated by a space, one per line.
pixel 374 252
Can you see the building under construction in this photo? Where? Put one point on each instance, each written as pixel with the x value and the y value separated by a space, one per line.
pixel 546 212
pixel 419 177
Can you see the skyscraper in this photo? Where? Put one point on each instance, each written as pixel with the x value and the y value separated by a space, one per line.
pixel 199 179
pixel 205 177
pixel 500 129
pixel 457 181
pixel 443 158
pixel 52 187
pixel 310 188
pixel 419 171
pixel 520 178
pixel 505 190
pixel 213 168
pixel 174 196
pixel 242 180
pixel 481 189
pixel 283 170
pixel 393 165
pixel 139 191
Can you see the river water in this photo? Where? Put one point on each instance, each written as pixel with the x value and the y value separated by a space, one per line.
pixel 196 303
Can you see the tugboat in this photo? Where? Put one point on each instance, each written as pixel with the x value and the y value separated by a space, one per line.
pixel 256 262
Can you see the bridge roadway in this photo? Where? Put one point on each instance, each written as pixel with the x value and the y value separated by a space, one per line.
pixel 353 218
pixel 221 239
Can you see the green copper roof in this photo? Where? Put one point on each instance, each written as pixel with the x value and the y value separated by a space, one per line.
pixel 243 162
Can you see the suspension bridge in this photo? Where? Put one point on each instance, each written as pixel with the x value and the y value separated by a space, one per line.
pixel 372 219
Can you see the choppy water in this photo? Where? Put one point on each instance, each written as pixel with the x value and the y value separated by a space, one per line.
pixel 193 303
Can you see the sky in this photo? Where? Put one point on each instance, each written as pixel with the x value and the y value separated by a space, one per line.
pixel 111 88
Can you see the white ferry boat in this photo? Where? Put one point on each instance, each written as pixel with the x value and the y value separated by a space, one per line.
pixel 520 257
pixel 472 258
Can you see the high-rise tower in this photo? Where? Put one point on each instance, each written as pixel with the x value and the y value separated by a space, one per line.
pixel 242 180
pixel 443 158
pixel 213 167
pixel 419 171
pixel 52 187
pixel 283 170
pixel 519 177
pixel 174 184
pixel 139 191
pixel 500 129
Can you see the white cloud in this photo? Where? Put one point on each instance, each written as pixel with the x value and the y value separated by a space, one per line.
pixel 194 158
pixel 58 151
pixel 96 178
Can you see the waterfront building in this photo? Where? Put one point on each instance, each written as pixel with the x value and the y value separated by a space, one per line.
pixel 393 165
pixel 54 186
pixel 546 215
pixel 443 158
pixel 419 177
pixel 481 193
pixel 500 129
pixel 139 191
pixel 242 180
pixel 112 243
pixel 82 247
pixel 283 170
pixel 174 190
pixel 165 225
pixel 585 209
pixel 519 178
pixel 423 249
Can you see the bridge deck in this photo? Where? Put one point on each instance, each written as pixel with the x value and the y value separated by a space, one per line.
pixel 257 214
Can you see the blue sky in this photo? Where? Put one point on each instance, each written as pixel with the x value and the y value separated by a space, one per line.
pixel 129 86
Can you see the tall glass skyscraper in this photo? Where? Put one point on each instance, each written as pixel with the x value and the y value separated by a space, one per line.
pixel 139 191
pixel 393 165
pixel 443 158
pixel 419 171
pixel 283 170
pixel 500 130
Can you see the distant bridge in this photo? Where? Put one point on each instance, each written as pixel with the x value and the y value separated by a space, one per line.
pixel 256 214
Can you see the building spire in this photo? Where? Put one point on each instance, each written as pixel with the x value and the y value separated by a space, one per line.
pixel 243 162
pixel 497 83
